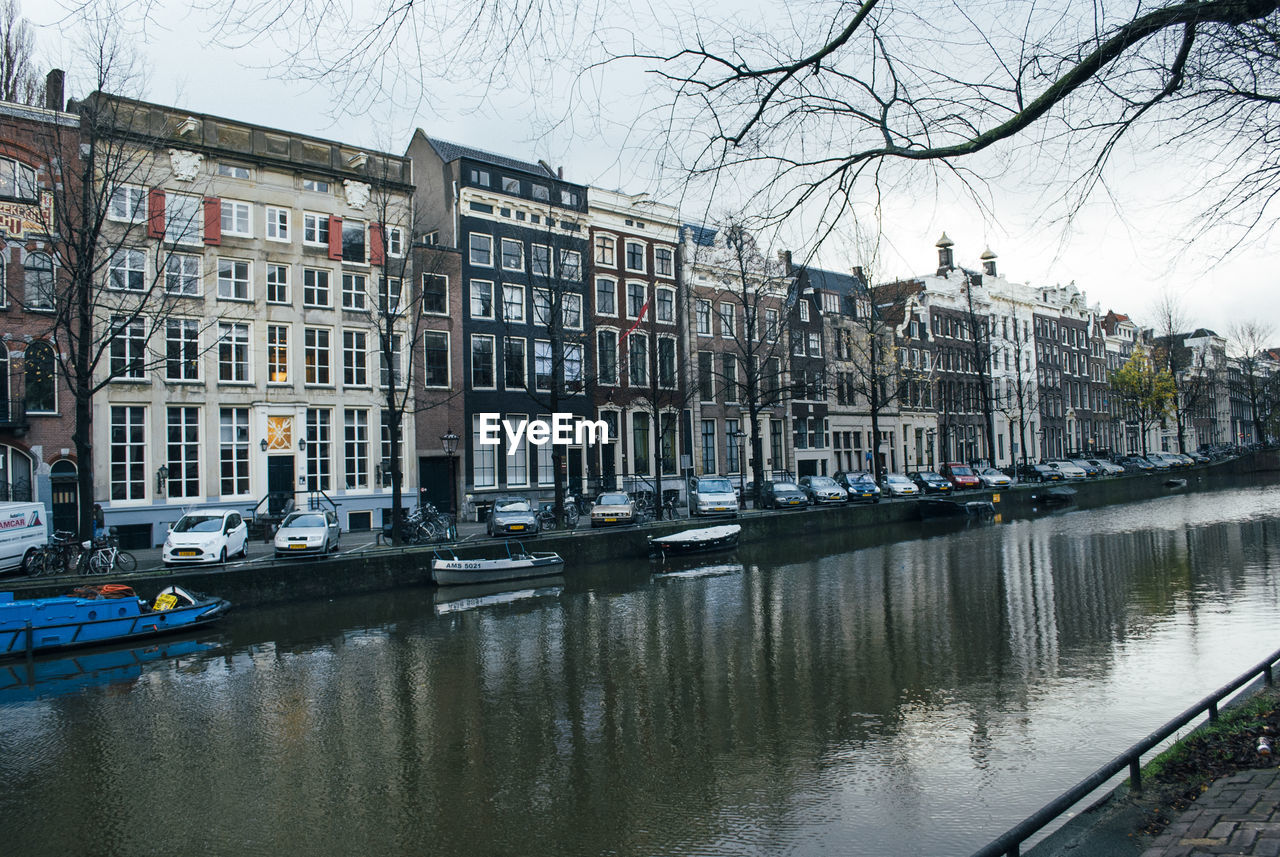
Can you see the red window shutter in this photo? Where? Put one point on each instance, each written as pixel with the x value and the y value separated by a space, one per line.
pixel 335 238
pixel 377 250
pixel 155 213
pixel 212 220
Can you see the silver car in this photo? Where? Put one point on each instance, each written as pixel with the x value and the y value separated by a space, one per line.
pixel 310 533
pixel 513 516
pixel 822 489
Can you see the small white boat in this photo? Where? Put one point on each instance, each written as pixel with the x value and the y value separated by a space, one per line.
pixel 448 569
pixel 701 539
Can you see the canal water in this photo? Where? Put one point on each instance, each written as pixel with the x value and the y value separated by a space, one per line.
pixel 847 695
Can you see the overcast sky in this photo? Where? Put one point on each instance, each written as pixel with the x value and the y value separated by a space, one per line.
pixel 1122 251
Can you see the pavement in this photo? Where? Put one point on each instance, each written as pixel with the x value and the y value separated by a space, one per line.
pixel 1238 815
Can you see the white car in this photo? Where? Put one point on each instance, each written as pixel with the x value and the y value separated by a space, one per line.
pixel 1109 468
pixel 1068 470
pixel 992 478
pixel 206 535
pixel 897 485
pixel 312 533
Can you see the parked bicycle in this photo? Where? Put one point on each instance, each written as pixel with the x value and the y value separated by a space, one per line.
pixel 58 556
pixel 104 556
pixel 547 515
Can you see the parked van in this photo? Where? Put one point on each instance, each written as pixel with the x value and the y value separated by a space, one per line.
pixel 712 495
pixel 24 528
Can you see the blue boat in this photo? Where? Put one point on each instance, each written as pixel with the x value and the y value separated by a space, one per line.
pixel 94 615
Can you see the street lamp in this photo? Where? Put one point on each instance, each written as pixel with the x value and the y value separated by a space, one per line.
pixel 740 436
pixel 162 476
pixel 449 443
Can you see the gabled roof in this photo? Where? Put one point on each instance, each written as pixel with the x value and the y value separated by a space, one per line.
pixel 700 235
pixel 449 152
pixel 830 281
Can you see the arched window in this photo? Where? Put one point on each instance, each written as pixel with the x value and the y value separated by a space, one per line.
pixel 37 272
pixel 40 377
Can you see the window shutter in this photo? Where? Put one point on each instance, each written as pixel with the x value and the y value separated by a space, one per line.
pixel 335 238
pixel 155 213
pixel 212 220
pixel 377 250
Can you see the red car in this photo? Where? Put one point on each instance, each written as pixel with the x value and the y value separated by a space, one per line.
pixel 960 475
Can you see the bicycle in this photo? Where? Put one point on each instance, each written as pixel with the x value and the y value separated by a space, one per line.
pixel 59 555
pixel 547 516
pixel 105 556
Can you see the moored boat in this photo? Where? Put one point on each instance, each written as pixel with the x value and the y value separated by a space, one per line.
pixel 94 615
pixel 934 508
pixel 1054 498
pixel 448 569
pixel 701 539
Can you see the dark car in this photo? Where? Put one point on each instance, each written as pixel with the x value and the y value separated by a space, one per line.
pixel 960 475
pixel 823 489
pixel 860 485
pixel 1136 464
pixel 1038 473
pixel 513 516
pixel 930 482
pixel 1090 469
pixel 781 494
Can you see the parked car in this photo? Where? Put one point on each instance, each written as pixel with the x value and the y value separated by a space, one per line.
pixel 24 530
pixel 206 535
pixel 1187 458
pixel 613 509
pixel 1164 460
pixel 712 495
pixel 992 478
pixel 313 533
pixel 1090 469
pixel 929 482
pixel 1067 469
pixel 897 485
pixel 960 475
pixel 1136 464
pixel 1108 468
pixel 1039 473
pixel 513 516
pixel 822 489
pixel 782 494
pixel 860 485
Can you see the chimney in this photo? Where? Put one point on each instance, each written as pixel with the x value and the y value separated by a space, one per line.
pixel 988 262
pixel 53 89
pixel 945 263
pixel 857 274
pixel 784 259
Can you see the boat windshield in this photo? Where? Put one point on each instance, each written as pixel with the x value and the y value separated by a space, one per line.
pixel 613 500
pixel 715 486
pixel 198 524
pixel 304 519
pixel 517 504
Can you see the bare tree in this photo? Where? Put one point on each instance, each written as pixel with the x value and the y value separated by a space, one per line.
pixel 20 81
pixel 1021 400
pixel 1247 341
pixel 1188 368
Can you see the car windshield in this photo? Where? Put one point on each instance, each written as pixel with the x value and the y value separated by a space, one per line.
pixel 613 500
pixel 897 479
pixel 199 524
pixel 822 482
pixel 303 519
pixel 517 504
pixel 715 486
pixel 785 486
pixel 961 470
pixel 861 479
pixel 929 475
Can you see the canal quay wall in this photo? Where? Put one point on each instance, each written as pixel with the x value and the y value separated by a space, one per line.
pixel 588 552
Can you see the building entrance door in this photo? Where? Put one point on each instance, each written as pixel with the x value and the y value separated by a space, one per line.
pixel 279 483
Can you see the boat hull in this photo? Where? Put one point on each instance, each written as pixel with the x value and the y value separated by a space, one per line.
pixel 459 572
pixel 697 541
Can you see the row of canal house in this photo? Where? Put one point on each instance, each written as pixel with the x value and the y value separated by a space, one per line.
pixel 284 316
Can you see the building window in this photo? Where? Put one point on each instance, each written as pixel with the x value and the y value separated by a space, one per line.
pixel 277 354
pixel 570 265
pixel 128 204
pixel 182 349
pixel 233 352
pixel 393 375
pixel 315 185
pixel 540 192
pixel 640 443
pixel 234 171
pixel 233 279
pixel 540 260
pixel 37 281
pixel 512 255
pixel 182 218
pixel 277 284
pixel 182 275
pixel 128 348
pixel 546 466
pixel 510 185
pixel 571 310
pixel 389 291
pixel 541 307
pixel 353 291
pixel 355 448
pixel 804 310
pixel 128 452
pixel 518 457
pixel 770 325
pixel 236 218
pixel 731 445
pixel 664 262
pixel 815 345
pixel 277 223
pixel 513 303
pixel 436 365
pixel 702 317
pixel 484 459
pixel 316 355
pixel 355 358
pixel 606 251
pixel 634 256
pixel 315 229
pixel 315 288
pixel 606 297
pixel 573 365
pixel 40 378
pixel 727 319
pixel 638 359
pixel 729 374
pixel 666 361
pixel 435 294
pixel 127 270
pixel 354 242
pixel 182 444
pixel 637 297
pixel 706 376
pixel 607 356
pixel 395 241
pixel 543 365
pixel 482 362
pixel 708 446
pixel 481 249
pixel 666 308
pixel 481 299
pixel 319 438
pixel 480 177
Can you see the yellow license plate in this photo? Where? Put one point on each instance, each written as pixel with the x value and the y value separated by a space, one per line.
pixel 517 526
pixel 722 508
pixel 297 547
pixel 611 520
pixel 188 553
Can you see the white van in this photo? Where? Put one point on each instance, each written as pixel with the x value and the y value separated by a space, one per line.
pixel 24 527
pixel 712 495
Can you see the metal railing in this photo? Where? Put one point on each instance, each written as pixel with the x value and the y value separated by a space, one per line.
pixel 13 413
pixel 1010 843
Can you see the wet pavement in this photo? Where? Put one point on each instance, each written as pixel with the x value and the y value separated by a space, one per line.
pixel 1237 815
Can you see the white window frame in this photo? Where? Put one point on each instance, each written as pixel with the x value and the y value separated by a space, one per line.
pixel 535 252
pixel 728 314
pixel 504 243
pixel 317 342
pixel 188 347
pixel 448 360
pixel 353 297
pixel 275 283
pixel 312 224
pixel 355 448
pixel 279 348
pixel 571 265
pixel 128 267
pixel 644 297
pixel 277 219
pixel 231 282
pixel 543 354
pixel 524 363
pixel 571 307
pixel 613 288
pixel 191 233
pixel 493 359
pixel 316 295
pixel 130 423
pixel 509 289
pixel 702 311
pixel 445 311
pixel 187 450
pixel 189 283
pixel 233 342
pixel 610 333
pixel 626 256
pixel 660 292
pixel 127 356
pixel 605 244
pixel 355 358
pixel 128 204
pixel 237 218
pixel 541 311
pixel 395 241
pixel 670 259
pixel 471 299
pixel 479 246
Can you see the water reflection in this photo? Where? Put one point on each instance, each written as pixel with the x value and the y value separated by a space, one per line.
pixel 842 694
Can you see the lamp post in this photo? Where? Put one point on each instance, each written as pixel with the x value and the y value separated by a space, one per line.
pixel 449 443
pixel 741 436
pixel 162 476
